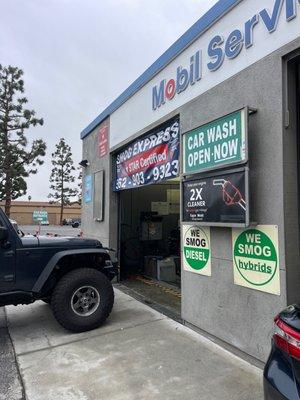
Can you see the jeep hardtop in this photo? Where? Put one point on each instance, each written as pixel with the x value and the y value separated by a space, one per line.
pixel 72 274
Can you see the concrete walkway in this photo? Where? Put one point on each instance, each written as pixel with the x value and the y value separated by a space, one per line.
pixel 139 354
pixel 10 385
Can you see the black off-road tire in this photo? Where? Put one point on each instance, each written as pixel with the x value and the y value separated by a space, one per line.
pixel 68 285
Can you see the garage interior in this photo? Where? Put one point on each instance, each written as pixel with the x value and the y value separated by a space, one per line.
pixel 149 238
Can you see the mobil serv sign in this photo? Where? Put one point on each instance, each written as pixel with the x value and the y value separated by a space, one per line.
pixel 216 144
pixel 258 32
pixel 150 159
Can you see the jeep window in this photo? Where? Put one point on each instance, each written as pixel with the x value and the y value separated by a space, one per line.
pixel 15 225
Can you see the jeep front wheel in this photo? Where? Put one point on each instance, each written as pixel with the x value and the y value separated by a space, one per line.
pixel 82 300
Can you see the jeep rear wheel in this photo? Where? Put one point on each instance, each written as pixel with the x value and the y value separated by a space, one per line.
pixel 82 300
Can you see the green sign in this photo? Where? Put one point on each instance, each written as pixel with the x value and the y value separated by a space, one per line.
pixel 255 256
pixel 217 144
pixel 196 249
pixel 40 216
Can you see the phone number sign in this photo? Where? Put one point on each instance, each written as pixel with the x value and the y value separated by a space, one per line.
pixel 150 159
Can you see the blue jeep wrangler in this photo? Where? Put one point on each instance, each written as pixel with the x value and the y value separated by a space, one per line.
pixel 73 275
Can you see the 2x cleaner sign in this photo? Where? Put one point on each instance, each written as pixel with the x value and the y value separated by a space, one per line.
pixel 220 199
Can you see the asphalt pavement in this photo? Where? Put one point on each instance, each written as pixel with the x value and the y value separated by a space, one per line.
pixel 51 229
pixel 138 354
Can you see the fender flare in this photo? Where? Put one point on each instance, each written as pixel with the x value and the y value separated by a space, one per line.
pixel 54 260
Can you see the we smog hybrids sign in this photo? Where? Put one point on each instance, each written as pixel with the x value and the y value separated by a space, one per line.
pixel 221 48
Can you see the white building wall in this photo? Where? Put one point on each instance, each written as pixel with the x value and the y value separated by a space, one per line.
pixel 137 112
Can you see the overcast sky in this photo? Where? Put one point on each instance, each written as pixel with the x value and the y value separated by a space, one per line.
pixel 79 55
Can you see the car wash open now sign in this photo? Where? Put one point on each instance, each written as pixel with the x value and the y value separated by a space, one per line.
pixel 196 249
pixel 217 144
pixel 256 258
pixel 219 199
pixel 150 159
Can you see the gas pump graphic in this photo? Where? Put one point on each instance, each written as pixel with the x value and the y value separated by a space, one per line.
pixel 231 194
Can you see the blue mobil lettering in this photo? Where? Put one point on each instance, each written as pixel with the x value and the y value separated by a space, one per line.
pixel 231 47
pixel 166 90
pixel 220 48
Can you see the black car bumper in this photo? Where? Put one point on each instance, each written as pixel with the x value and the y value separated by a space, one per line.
pixel 270 393
pixel 279 377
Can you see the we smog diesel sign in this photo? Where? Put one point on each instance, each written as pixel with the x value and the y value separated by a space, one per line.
pixel 196 249
pixel 217 144
pixel 255 257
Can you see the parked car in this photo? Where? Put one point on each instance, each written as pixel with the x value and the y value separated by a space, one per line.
pixel 76 223
pixel 282 371
pixel 72 274
pixel 67 221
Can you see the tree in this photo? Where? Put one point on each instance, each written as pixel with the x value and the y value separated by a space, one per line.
pixel 18 159
pixel 62 176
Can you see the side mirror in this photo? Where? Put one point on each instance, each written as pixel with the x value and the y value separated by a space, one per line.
pixel 3 234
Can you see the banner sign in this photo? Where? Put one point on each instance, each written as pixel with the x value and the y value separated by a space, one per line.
pixel 220 143
pixel 40 216
pixel 217 200
pixel 103 140
pixel 256 258
pixel 88 189
pixel 196 249
pixel 150 159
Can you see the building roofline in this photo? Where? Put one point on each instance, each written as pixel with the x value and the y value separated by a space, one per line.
pixel 193 33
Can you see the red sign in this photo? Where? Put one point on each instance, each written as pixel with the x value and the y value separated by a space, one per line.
pixel 103 141
pixel 149 159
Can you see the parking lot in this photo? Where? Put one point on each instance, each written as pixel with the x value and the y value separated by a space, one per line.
pixel 51 229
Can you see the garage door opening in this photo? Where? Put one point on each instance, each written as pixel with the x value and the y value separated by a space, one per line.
pixel 150 243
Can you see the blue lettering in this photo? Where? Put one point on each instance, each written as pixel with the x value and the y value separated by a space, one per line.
pixel 198 65
pixel 234 44
pixel 216 53
pixel 195 68
pixel 182 79
pixel 272 21
pixel 218 48
pixel 192 67
pixel 290 9
pixel 158 96
pixel 249 25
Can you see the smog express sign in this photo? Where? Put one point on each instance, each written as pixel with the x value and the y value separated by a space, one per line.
pixel 217 144
pixel 255 258
pixel 196 249
pixel 150 159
